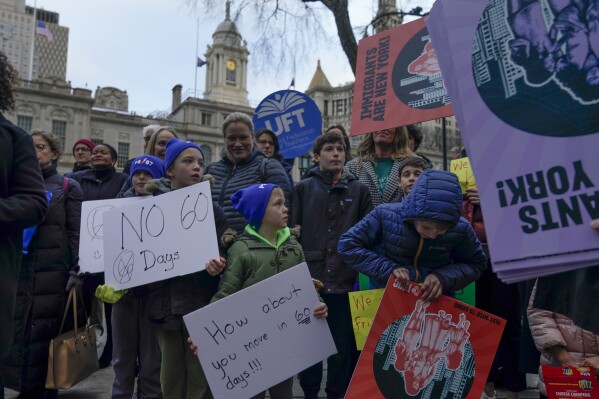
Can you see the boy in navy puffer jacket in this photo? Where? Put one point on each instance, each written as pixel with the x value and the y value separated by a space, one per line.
pixel 422 239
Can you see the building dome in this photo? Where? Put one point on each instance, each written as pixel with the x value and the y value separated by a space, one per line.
pixel 226 32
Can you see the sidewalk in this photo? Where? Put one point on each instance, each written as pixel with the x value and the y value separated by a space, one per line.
pixel 99 384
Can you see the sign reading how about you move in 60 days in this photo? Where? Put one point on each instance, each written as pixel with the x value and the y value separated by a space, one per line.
pixel 260 336
pixel 160 237
pixel 91 234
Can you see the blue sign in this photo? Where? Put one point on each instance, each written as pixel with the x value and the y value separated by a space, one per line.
pixel 293 117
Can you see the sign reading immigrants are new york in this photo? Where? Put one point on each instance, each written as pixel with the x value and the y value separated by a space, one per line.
pixel 261 335
pixel 160 237
pixel 398 80
pixel 524 81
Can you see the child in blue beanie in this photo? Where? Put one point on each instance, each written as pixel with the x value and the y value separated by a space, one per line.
pixel 167 301
pixel 264 249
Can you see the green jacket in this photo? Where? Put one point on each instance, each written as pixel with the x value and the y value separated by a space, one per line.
pixel 252 259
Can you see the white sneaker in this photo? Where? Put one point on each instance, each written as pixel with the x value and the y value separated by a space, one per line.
pixel 485 396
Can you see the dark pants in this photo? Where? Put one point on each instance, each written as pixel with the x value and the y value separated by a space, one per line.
pixel 341 365
pixel 494 296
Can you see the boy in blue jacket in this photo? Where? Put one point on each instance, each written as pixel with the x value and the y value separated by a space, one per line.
pixel 422 239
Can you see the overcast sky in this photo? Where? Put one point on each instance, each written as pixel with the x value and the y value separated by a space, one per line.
pixel 148 46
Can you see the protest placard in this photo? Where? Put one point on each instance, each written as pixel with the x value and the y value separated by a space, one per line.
pixel 260 336
pixel 570 382
pixel 363 307
pixel 530 123
pixel 423 349
pixel 463 170
pixel 293 117
pixel 161 237
pixel 398 80
pixel 91 232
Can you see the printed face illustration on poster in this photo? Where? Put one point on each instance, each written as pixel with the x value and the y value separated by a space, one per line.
pixel 544 54
pixel 398 80
pixel 424 350
pixel 293 117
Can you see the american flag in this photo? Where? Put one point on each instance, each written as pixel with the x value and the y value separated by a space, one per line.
pixel 43 30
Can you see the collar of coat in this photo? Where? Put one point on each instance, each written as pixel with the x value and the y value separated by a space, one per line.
pixel 282 236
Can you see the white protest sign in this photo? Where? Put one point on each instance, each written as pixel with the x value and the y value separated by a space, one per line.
pixel 91 233
pixel 260 336
pixel 162 237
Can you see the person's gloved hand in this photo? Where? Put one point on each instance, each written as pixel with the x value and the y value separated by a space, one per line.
pixel 75 281
pixel 106 293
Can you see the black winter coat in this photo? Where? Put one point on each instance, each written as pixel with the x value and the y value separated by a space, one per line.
pixel 230 177
pixel 100 184
pixel 41 296
pixel 22 204
pixel 326 211
pixel 165 302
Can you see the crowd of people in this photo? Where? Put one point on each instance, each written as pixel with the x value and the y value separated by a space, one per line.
pixel 385 214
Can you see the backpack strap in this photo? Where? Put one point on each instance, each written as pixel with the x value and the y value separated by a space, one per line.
pixel 65 187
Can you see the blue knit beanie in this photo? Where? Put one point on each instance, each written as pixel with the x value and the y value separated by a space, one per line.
pixel 174 147
pixel 151 164
pixel 251 202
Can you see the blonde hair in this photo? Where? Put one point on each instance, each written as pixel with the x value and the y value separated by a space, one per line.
pixel 366 150
pixel 238 117
pixel 53 141
pixel 154 138
pixel 277 191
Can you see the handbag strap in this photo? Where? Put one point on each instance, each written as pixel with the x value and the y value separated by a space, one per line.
pixel 73 299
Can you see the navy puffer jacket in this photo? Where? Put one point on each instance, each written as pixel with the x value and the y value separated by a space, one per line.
pixel 230 177
pixel 386 238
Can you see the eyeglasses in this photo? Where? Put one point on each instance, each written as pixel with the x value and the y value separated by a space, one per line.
pixel 40 147
pixel 265 142
pixel 81 149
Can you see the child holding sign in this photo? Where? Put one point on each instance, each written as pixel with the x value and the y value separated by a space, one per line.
pixel 166 302
pixel 264 249
pixel 326 204
pixel 422 239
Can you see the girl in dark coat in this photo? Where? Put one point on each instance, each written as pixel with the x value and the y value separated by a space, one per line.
pixel 100 182
pixel 41 297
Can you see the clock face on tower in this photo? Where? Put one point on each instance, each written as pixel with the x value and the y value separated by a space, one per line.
pixel 231 65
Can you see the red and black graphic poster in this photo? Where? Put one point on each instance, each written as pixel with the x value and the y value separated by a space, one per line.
pixel 398 80
pixel 425 350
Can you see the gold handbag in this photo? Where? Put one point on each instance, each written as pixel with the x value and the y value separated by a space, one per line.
pixel 72 356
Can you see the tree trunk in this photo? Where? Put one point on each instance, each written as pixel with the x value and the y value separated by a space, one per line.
pixel 339 8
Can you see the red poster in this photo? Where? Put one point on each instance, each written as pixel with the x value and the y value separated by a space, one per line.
pixel 570 382
pixel 420 349
pixel 398 80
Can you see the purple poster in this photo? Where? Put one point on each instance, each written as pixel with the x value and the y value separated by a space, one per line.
pixel 523 76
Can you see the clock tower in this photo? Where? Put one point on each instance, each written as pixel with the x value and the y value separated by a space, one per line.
pixel 227 57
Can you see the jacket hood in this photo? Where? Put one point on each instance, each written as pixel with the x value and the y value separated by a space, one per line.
pixel 436 196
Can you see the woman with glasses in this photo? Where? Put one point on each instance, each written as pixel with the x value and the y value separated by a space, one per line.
pixel 41 298
pixel 268 143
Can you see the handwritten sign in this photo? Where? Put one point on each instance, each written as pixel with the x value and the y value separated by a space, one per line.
pixel 161 237
pixel 260 336
pixel 294 117
pixel 462 168
pixel 363 307
pixel 91 233
pixel 398 80
pixel 570 382
pixel 423 349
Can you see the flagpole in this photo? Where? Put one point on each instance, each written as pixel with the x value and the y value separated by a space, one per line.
pixel 33 41
pixel 195 84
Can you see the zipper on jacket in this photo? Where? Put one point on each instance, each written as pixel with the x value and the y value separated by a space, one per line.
pixel 221 200
pixel 416 259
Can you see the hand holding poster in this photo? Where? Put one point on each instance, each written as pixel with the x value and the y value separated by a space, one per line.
pixel 160 237
pixel 398 80
pixel 260 336
pixel 423 349
pixel 91 234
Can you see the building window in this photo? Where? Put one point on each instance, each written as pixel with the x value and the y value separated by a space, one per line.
pixel 206 119
pixel 207 153
pixel 339 107
pixel 59 129
pixel 97 141
pixel 122 154
pixel 25 122
pixel 231 75
pixel 326 108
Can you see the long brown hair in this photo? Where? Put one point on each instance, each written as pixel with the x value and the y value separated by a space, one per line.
pixel 9 79
pixel 366 150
